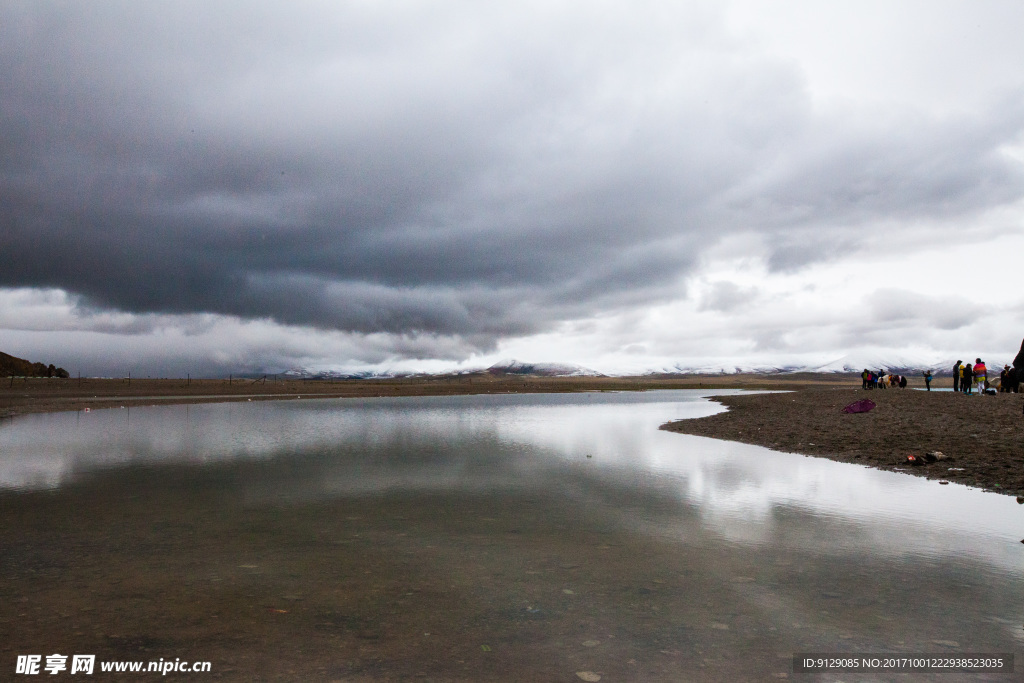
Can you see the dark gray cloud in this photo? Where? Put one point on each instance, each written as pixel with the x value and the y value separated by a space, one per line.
pixel 450 169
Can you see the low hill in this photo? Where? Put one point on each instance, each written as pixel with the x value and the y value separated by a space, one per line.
pixel 19 367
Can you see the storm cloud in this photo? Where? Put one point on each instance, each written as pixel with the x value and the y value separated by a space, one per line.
pixel 457 170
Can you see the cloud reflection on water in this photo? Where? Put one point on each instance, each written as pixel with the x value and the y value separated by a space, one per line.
pixel 655 481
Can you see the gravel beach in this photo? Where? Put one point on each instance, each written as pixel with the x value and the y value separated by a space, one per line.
pixel 982 435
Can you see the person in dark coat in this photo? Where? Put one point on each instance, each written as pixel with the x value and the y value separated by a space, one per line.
pixel 1017 373
pixel 968 379
pixel 956 376
pixel 1012 381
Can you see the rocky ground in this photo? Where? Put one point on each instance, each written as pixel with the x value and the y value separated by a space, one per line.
pixel 982 435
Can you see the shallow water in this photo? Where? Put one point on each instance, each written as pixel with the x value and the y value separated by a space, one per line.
pixel 565 530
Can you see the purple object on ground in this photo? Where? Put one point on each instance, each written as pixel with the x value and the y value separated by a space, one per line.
pixel 861 406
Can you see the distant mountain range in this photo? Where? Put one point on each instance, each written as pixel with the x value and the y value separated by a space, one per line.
pixel 300 373
pixel 501 368
pixel 904 365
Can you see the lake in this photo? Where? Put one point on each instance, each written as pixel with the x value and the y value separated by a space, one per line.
pixel 491 537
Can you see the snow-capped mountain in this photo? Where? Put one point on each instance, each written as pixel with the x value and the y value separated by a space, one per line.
pixel 302 373
pixel 713 368
pixel 901 364
pixel 514 367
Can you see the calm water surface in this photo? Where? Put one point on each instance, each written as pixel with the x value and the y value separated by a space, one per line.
pixel 576 535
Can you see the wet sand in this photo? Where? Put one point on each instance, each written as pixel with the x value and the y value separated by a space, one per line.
pixel 983 435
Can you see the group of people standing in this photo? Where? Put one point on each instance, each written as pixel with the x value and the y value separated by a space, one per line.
pixel 969 378
pixel 966 377
pixel 880 380
pixel 1009 380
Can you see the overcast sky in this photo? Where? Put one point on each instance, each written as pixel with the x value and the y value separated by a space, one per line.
pixel 213 187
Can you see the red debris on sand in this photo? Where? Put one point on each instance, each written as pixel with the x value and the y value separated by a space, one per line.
pixel 861 406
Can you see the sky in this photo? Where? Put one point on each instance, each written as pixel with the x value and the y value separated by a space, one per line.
pixel 205 188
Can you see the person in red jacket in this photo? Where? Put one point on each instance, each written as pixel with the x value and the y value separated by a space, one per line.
pixel 980 375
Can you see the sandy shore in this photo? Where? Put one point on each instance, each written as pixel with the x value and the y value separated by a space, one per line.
pixel 983 435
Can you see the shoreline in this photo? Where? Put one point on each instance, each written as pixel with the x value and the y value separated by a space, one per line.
pixel 38 395
pixel 982 436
